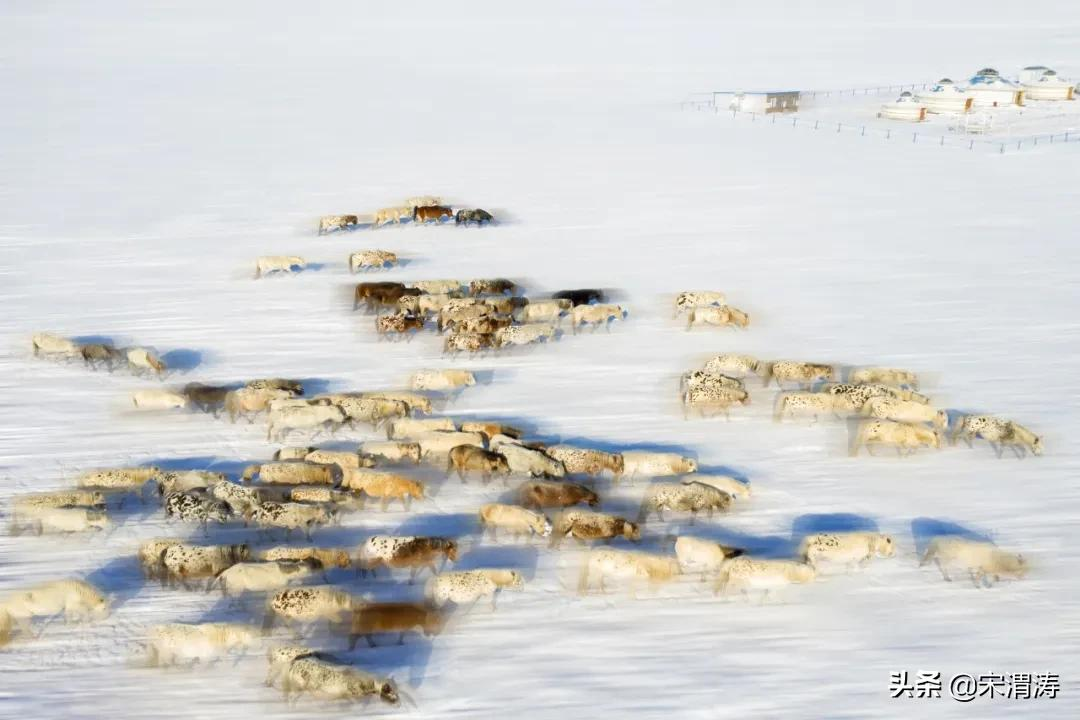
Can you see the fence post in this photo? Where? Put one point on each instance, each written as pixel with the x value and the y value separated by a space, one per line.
pixel 863 133
pixel 837 127
pixel 793 121
pixel 1018 144
pixel 971 145
pixel 1036 140
pixel 774 119
pixel 942 139
pixel 888 134
pixel 1002 152
pixel 914 136
pixel 816 124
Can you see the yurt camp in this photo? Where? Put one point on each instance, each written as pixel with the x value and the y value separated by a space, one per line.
pixel 988 89
pixel 944 97
pixel 1048 87
pixel 905 107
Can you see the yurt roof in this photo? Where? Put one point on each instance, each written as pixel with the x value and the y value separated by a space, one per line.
pixel 1036 67
pixel 1052 77
pixel 983 80
pixel 989 71
pixel 906 97
pixel 946 86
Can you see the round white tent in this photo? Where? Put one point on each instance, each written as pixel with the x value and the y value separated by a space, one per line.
pixel 905 107
pixel 1032 73
pixel 1048 87
pixel 944 97
pixel 988 89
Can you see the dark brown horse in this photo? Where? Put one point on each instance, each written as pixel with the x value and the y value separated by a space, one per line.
pixel 374 294
pixel 431 212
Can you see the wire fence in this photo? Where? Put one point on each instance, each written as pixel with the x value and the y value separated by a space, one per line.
pixel 854 92
pixel 709 98
pixel 916 135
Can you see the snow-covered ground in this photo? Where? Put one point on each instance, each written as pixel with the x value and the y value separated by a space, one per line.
pixel 149 154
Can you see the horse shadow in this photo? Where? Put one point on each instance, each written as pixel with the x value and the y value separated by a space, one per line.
pixel 765 546
pixel 522 558
pixel 233 532
pixel 728 470
pixel 450 525
pixel 120 579
pixel 315 386
pixel 432 477
pixel 812 523
pixel 95 340
pixel 241 609
pixel 133 506
pixel 484 377
pixel 182 360
pixel 615 505
pixel 924 529
pixel 338 536
pixel 389 658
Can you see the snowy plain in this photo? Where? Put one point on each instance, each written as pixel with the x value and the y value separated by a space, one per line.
pixel 149 152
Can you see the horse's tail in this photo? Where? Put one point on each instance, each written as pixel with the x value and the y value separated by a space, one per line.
pixel 930 554
pixel 583 577
pixel 958 429
pixel 723 578
pixel 860 438
pixel 780 407
pixel 5 627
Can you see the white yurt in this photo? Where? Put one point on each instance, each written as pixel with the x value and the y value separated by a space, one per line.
pixel 944 97
pixel 1048 87
pixel 1032 73
pixel 905 107
pixel 988 89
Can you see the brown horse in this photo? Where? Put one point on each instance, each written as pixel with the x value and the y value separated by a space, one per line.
pixel 431 212
pixel 374 294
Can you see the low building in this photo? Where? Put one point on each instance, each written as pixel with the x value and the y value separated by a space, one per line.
pixel 765 103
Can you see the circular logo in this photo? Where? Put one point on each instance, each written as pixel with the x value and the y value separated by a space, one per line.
pixel 963 688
